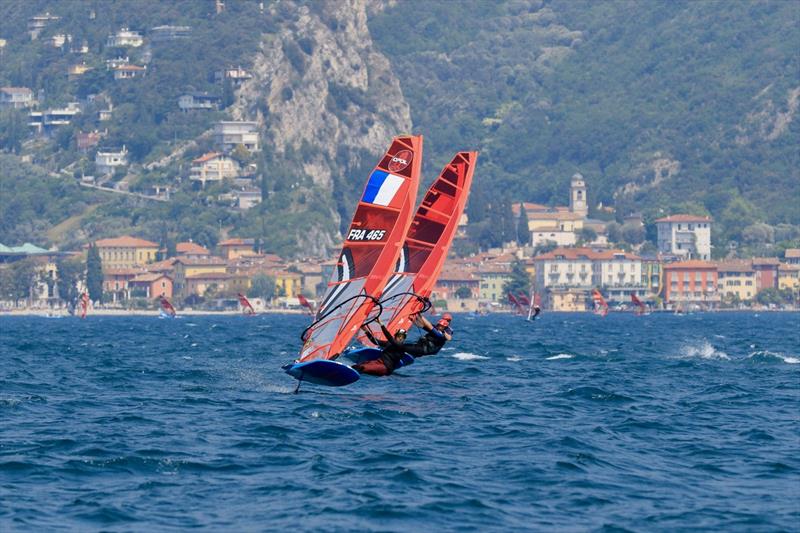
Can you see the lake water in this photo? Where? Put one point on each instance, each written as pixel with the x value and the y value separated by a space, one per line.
pixel 573 422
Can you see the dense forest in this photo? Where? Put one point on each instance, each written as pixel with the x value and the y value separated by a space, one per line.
pixel 663 106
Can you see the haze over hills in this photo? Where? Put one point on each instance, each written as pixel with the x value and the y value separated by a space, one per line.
pixel 662 106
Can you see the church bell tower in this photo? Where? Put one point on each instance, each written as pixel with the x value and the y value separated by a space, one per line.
pixel 577 197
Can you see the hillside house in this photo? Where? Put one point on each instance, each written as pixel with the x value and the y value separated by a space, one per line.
pixel 106 162
pixel 16 97
pixel 160 34
pixel 235 248
pixel 236 75
pixel 792 256
pixel 39 22
pixel 736 280
pixel 47 120
pixel 129 72
pixel 213 166
pixel 150 285
pixel 87 140
pixel 247 198
pixel 192 101
pixel 125 38
pixel 230 134
pixel 691 282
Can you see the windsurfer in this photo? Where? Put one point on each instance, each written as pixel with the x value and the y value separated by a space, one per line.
pixel 434 339
pixel 391 354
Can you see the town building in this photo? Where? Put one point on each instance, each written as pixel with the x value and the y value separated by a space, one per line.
pixel 247 198
pixel 235 248
pixel 125 38
pixel 789 277
pixel 160 34
pixel 288 284
pixel 691 282
pixel 213 166
pixel 736 281
pixel 236 75
pixel 126 252
pixel 39 22
pixel 205 284
pixel 129 72
pixel 792 256
pixel 191 249
pixel 16 97
pixel 493 277
pixel 193 275
pixel 766 269
pixel 50 119
pixel 450 282
pixel 197 100
pixel 87 140
pixel 685 236
pixel 560 224
pixel 150 285
pixel 106 162
pixel 230 134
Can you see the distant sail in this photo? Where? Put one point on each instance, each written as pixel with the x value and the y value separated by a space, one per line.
pixel 84 304
pixel 305 303
pixel 166 308
pixel 426 244
pixel 641 308
pixel 523 299
pixel 247 307
pixel 370 251
pixel 514 303
pixel 600 304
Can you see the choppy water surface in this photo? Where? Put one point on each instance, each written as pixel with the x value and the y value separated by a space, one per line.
pixel 573 422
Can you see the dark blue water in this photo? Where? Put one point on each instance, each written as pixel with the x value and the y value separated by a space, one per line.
pixel 574 422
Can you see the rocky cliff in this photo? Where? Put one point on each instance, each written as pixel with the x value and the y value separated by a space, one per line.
pixel 325 98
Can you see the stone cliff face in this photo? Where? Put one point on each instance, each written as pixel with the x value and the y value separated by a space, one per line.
pixel 319 82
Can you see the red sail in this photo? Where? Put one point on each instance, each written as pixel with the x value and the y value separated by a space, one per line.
pixel 84 304
pixel 600 305
pixel 523 299
pixel 641 308
pixel 427 243
pixel 513 301
pixel 167 307
pixel 371 248
pixel 247 307
pixel 305 303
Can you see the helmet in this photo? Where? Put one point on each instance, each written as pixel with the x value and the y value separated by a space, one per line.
pixel 448 317
pixel 401 331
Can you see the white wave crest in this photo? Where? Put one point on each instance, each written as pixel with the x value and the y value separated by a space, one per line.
pixel 788 359
pixel 560 356
pixel 467 356
pixel 514 358
pixel 703 350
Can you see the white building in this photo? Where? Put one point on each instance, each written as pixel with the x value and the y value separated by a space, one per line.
pixel 107 162
pixel 47 120
pixel 125 37
pixel 191 101
pixel 229 134
pixel 213 167
pixel 687 236
pixel 127 72
pixel 247 198
pixel 16 97
pixel 161 34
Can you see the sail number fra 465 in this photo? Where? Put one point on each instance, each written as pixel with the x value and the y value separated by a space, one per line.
pixel 366 234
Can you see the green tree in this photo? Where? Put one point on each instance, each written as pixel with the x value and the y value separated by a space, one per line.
pixel 94 274
pixel 17 279
pixel 70 274
pixel 545 247
pixel 613 232
pixel 523 232
pixel 262 286
pixel 463 292
pixel 586 235
pixel 519 280
pixel 633 233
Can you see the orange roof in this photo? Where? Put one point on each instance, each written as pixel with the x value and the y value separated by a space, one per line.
pixel 236 241
pixel 207 157
pixel 528 206
pixel 130 67
pixel 684 218
pixel 122 271
pixel 458 275
pixel 792 253
pixel 586 254
pixel 209 275
pixel 734 266
pixel 766 261
pixel 691 265
pixel 162 266
pixel 191 248
pixel 125 241
pixel 149 277
pixel 559 215
pixel 201 261
pixel 789 268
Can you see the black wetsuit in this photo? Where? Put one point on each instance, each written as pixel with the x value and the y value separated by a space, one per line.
pixel 391 351
pixel 428 344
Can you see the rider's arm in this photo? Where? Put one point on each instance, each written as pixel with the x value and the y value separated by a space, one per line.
pixel 423 323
